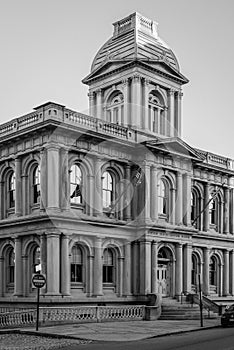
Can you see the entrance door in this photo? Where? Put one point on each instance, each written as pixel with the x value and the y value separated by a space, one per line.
pixel 163 279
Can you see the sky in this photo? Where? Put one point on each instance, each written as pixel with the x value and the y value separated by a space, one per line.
pixel 47 47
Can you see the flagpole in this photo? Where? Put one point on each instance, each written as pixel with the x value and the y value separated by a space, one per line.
pixel 212 197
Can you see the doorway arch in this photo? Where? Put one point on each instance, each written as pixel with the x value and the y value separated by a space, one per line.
pixel 165 272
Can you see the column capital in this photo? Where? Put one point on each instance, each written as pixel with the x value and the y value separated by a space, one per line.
pixel 124 82
pixel 91 95
pixel 136 77
pixel 171 92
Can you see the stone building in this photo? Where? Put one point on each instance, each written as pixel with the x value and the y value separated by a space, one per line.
pixel 114 205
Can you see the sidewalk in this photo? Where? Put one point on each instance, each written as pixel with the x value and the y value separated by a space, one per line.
pixel 123 331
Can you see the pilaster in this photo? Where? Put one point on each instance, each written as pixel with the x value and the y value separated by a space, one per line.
pixel 226 273
pixel 145 266
pixel 18 187
pixel 97 272
pixel 53 263
pixel 206 255
pixel 179 198
pixel 65 265
pixel 154 263
pixel 18 268
pixel 179 271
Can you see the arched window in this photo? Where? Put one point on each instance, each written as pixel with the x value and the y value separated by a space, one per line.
pixel 108 266
pixel 195 209
pixel 10 266
pixel 76 264
pixel 213 271
pixel 75 184
pixel 11 190
pixel 36 185
pixel 156 114
pixel 36 260
pixel 107 189
pixel 163 198
pixel 215 208
pixel 115 108
pixel 213 211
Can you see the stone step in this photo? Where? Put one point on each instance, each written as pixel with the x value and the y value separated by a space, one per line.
pixel 174 310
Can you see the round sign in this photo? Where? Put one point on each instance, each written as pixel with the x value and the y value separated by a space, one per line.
pixel 38 280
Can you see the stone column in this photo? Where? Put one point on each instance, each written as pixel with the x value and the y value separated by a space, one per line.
pixel 65 185
pixel 128 193
pixel 179 198
pixel 145 103
pixel 231 194
pixel 226 209
pixel 43 258
pixel 226 273
pixel 99 103
pixel 91 194
pixel 154 263
pixel 136 101
pixel 187 200
pixel 179 270
pixel 145 267
pixel 147 193
pixel 1 274
pixel 187 267
pixel 125 86
pixel 97 187
pixel 220 286
pixel 18 291
pixel 2 196
pixel 91 103
pixel 25 195
pixel 43 170
pixel 127 269
pixel 18 187
pixel 53 185
pixel 136 268
pixel 171 93
pixel 154 193
pixel 232 272
pixel 206 269
pixel 206 211
pixel 120 276
pixel 173 207
pixel 98 264
pixel 53 263
pixel 65 265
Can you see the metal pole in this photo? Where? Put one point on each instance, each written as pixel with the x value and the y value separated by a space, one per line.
pixel 38 300
pixel 200 299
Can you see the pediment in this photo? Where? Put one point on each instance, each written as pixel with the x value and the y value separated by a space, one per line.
pixel 115 64
pixel 175 146
pixel 165 68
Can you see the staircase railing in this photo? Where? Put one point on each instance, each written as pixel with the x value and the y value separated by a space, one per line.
pixel 207 303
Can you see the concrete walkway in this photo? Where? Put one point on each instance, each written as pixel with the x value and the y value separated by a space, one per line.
pixel 124 331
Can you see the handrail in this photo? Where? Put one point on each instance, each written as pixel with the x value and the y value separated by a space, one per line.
pixel 207 304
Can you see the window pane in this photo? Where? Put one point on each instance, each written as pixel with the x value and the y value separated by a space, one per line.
pixel 107 189
pixel 75 184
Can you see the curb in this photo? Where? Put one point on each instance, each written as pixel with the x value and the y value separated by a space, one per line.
pixel 64 336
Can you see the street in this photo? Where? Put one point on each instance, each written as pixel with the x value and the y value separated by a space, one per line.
pixel 211 339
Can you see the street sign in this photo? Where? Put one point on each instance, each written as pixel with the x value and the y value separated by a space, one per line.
pixel 38 280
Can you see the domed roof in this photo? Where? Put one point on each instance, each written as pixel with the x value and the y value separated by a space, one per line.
pixel 135 37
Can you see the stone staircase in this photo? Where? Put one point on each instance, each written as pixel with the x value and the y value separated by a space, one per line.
pixel 175 310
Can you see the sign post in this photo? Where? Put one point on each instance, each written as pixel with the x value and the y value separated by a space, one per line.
pixel 200 299
pixel 39 281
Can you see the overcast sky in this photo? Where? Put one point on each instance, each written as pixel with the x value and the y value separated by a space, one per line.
pixel 47 47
